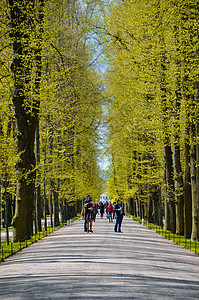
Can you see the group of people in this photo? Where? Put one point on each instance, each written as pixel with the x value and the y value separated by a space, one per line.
pixel 90 211
pixel 108 207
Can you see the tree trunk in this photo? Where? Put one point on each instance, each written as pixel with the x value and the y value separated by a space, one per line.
pixel 187 192
pixel 160 217
pixel 79 206
pixel 52 184
pixel 67 210
pixel 22 24
pixel 55 206
pixel 140 209
pixel 194 233
pixel 38 207
pixel 178 179
pixel 62 211
pixel 197 174
pixel 179 192
pixel 137 207
pixel 194 187
pixel 35 217
pixel 23 218
pixel 134 207
pixel 170 213
pixel 131 206
pixel 0 212
pixel 157 208
pixel 6 213
pixel 150 209
pixel 45 206
pixel 51 208
pixel 197 181
pixel 194 159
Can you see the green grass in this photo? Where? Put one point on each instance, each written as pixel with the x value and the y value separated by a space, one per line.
pixel 177 239
pixel 12 248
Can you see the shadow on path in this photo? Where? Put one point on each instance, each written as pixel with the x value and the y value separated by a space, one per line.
pixel 71 264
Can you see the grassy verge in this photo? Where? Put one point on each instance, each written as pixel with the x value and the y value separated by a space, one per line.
pixel 177 239
pixel 12 248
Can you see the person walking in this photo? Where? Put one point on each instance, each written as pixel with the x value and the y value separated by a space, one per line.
pixel 118 215
pixel 83 212
pixel 113 210
pixel 101 209
pixel 105 208
pixel 89 215
pixel 95 209
pixel 110 212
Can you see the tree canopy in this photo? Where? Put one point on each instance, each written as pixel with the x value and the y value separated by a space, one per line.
pixel 54 100
pixel 152 82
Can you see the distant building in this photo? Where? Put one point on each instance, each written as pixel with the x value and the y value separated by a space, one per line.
pixel 104 197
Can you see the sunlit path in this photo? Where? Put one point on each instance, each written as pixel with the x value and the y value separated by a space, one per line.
pixel 71 264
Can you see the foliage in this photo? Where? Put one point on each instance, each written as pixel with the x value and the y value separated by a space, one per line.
pixel 70 94
pixel 152 82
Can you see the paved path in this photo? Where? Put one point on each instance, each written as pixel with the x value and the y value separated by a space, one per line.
pixel 71 264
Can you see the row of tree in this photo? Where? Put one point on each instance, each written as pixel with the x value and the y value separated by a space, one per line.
pixel 51 102
pixel 153 87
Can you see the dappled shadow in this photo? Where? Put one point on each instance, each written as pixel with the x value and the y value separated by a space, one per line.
pixel 70 264
pixel 88 286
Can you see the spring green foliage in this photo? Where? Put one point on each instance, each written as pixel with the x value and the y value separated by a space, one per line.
pixel 61 87
pixel 134 114
pixel 152 102
pixel 71 107
pixel 152 81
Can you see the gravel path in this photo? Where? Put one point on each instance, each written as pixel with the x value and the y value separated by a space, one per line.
pixel 71 264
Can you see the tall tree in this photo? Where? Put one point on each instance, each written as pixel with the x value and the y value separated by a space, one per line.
pixel 22 34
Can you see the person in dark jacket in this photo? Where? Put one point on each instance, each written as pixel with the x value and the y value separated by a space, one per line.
pixel 89 215
pixel 85 222
pixel 101 209
pixel 118 215
pixel 95 209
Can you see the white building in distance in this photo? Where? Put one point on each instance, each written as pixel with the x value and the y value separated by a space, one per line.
pixel 104 197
